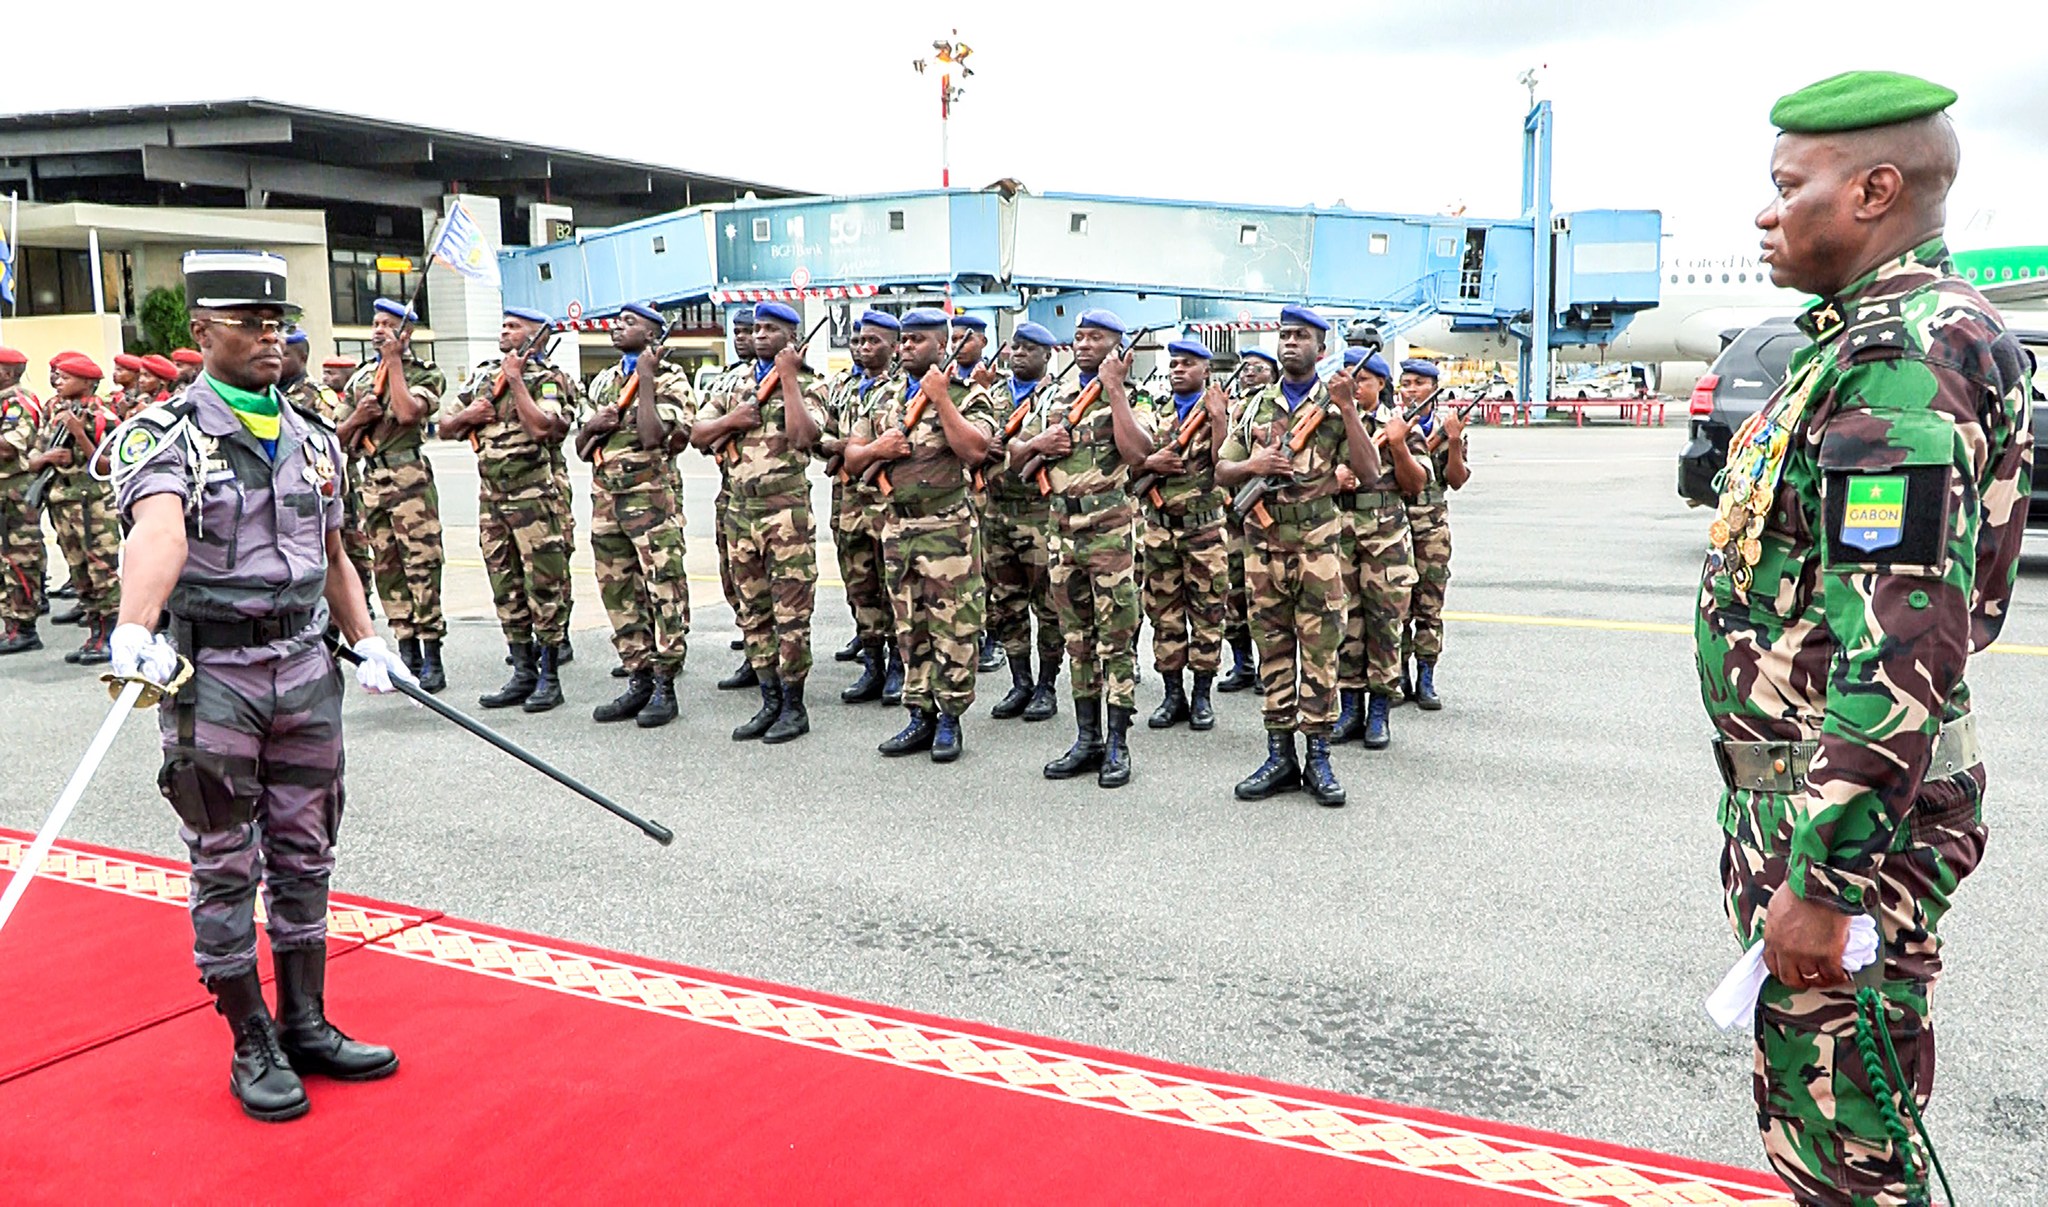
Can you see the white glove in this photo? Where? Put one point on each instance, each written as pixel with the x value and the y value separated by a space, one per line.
pixel 138 653
pixel 1733 1003
pixel 379 666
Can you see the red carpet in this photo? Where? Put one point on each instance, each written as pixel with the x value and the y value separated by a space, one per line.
pixel 537 1070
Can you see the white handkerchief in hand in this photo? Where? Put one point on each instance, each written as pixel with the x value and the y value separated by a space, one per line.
pixel 1733 1002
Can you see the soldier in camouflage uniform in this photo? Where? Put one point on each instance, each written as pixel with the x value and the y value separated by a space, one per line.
pixel 1867 540
pixel 1379 559
pixel 920 447
pixel 1094 562
pixel 514 411
pixel 384 420
pixel 769 531
pixel 76 422
pixel 297 385
pixel 125 398
pixel 1187 559
pixel 335 373
pixel 22 552
pixel 1294 434
pixel 1257 369
pixel 857 508
pixel 742 366
pixel 1429 520
pixel 1016 536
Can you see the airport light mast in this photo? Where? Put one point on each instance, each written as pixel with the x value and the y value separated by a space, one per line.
pixel 952 54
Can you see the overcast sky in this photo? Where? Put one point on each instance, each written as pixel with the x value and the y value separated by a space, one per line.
pixel 1410 107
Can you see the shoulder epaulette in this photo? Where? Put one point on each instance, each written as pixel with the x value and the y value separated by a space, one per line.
pixel 1876 330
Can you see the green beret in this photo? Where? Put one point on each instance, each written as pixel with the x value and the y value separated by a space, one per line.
pixel 1858 100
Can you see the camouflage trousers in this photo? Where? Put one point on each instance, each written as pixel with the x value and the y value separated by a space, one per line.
pixel 22 556
pixel 355 539
pixel 253 770
pixel 89 534
pixel 770 541
pixel 1379 574
pixel 1295 577
pixel 935 594
pixel 1431 525
pixel 402 514
pixel 565 509
pixel 857 528
pixel 1186 580
pixel 1237 604
pixel 636 539
pixel 526 555
pixel 719 507
pixel 1093 578
pixel 1016 562
pixel 1824 1130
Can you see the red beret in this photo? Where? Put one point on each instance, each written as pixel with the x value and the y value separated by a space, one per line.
pixel 337 362
pixel 125 361
pixel 188 356
pixel 13 356
pixel 159 368
pixel 78 364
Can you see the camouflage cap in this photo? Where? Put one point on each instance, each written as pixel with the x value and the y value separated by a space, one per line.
pixel 1858 100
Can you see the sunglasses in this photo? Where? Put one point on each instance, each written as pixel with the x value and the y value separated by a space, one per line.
pixel 273 328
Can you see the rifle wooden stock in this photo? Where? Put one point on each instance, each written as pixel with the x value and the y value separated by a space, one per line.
pixel 1251 498
pixel 1035 467
pixel 877 475
pixel 727 448
pixel 1148 485
pixel 626 396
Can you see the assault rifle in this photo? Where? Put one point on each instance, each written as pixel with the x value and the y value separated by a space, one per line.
pixel 1034 468
pixel 727 448
pixel 1190 427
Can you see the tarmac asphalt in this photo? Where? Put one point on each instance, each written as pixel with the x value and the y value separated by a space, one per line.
pixel 1517 917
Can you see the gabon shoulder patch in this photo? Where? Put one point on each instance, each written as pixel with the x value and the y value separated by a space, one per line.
pixel 1895 518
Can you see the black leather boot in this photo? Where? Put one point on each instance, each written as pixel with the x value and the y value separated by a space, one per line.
pixel 947 740
pixel 520 686
pixel 1013 702
pixel 1045 699
pixel 1379 725
pixel 1244 666
pixel 1201 712
pixel 1425 686
pixel 1115 771
pixel 1407 681
pixel 869 685
pixel 792 722
pixel 547 680
pixel 1350 717
pixel 71 615
pixel 260 1075
pixel 743 677
pixel 315 1046
pixel 95 650
pixel 1173 707
pixel 764 718
pixel 992 655
pixel 639 690
pixel 409 653
pixel 736 644
pixel 892 682
pixel 661 706
pixel 620 671
pixel 849 652
pixel 1086 752
pixel 433 677
pixel 913 738
pixel 65 591
pixel 20 638
pixel 1279 773
pixel 1318 777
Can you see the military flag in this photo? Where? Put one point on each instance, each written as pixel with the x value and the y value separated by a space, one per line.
pixel 461 246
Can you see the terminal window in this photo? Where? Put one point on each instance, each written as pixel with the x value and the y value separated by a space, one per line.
pixel 763 229
pixel 356 284
pixel 1077 224
pixel 895 220
pixel 1376 244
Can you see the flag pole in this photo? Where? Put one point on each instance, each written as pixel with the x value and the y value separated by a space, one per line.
pixel 13 236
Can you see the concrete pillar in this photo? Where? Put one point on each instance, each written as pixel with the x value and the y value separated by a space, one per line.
pixel 465 314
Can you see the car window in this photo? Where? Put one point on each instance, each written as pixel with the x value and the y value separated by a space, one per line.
pixel 1752 366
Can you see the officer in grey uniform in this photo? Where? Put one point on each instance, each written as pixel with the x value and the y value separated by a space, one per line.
pixel 233 508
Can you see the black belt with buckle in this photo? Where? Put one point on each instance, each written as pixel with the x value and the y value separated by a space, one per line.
pixel 241 634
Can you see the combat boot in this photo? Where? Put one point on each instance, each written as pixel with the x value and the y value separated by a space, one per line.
pixel 1350 719
pixel 1318 777
pixel 547 680
pixel 850 652
pixel 1086 752
pixel 736 644
pixel 869 685
pixel 409 653
pixel 1115 771
pixel 892 682
pixel 1379 725
pixel 1201 712
pixel 620 671
pixel 1013 702
pixel 68 590
pixel 661 706
pixel 947 740
pixel 73 656
pixel 1425 686
pixel 913 738
pixel 1173 708
pixel 432 676
pixel 771 708
pixel 639 690
pixel 1407 681
pixel 1244 666
pixel 792 722
pixel 260 1076
pixel 743 677
pixel 71 615
pixel 1279 773
pixel 992 655
pixel 1045 698
pixel 315 1046
pixel 565 653
pixel 95 650
pixel 20 638
pixel 520 687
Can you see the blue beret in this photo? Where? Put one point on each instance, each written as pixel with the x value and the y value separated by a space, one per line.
pixel 1425 368
pixel 877 318
pixel 530 316
pixel 1353 357
pixel 1032 333
pixel 925 318
pixel 647 312
pixel 1262 354
pixel 1189 347
pixel 1292 316
pixel 1376 364
pixel 397 310
pixel 298 336
pixel 1105 320
pixel 973 322
pixel 743 317
pixel 777 312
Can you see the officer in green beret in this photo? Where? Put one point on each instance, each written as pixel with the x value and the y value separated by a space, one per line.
pixel 1865 546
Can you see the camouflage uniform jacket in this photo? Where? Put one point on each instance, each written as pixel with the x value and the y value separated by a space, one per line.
pixel 74 481
pixel 386 438
pixel 1093 465
pixel 305 394
pixel 760 461
pixel 1436 449
pixel 850 403
pixel 1375 421
pixel 620 464
pixel 20 424
pixel 1853 585
pixel 1265 417
pixel 1004 487
pixel 512 466
pixel 1195 491
pixel 930 476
